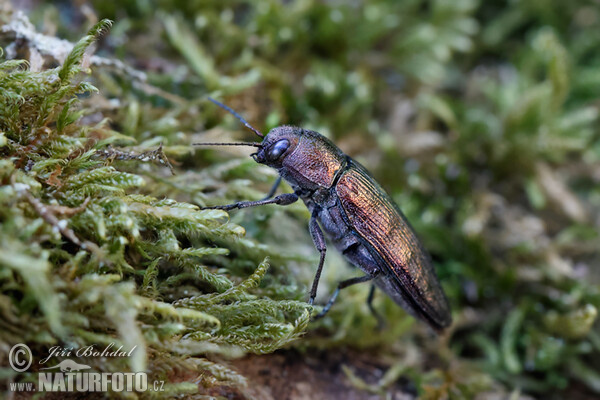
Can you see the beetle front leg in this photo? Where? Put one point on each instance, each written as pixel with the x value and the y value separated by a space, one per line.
pixel 273 189
pixel 342 285
pixel 319 240
pixel 282 200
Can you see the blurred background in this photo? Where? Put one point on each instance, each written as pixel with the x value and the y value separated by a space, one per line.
pixel 479 118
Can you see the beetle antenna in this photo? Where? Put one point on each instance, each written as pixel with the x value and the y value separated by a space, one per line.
pixel 253 144
pixel 238 116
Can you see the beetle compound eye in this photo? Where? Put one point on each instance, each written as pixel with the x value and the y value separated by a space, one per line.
pixel 278 149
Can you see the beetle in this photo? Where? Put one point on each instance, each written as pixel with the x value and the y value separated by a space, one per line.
pixel 356 213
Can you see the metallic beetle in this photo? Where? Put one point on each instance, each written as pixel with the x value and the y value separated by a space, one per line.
pixel 358 216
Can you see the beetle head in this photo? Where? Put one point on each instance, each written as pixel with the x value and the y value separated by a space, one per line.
pixel 277 145
pixel 304 158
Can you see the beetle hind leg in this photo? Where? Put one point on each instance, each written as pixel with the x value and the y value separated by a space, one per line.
pixel 378 317
pixel 342 285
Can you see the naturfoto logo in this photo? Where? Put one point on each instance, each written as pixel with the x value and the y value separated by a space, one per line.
pixel 69 375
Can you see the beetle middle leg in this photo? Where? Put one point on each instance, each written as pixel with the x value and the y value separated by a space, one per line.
pixel 319 240
pixel 282 200
pixel 342 285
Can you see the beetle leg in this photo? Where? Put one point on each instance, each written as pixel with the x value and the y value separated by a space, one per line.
pixel 342 285
pixel 380 321
pixel 319 240
pixel 282 199
pixel 273 189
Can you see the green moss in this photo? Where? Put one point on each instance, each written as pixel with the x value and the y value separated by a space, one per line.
pixel 88 256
